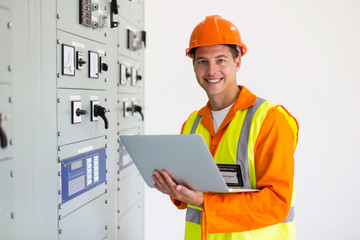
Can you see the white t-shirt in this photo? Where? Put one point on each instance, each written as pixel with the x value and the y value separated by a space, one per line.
pixel 219 116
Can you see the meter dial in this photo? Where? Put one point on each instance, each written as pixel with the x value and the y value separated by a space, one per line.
pixel 68 60
pixel 93 64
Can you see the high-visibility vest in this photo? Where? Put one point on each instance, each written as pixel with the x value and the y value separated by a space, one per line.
pixel 240 136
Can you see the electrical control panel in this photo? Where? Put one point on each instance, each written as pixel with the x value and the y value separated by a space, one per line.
pixel 72 81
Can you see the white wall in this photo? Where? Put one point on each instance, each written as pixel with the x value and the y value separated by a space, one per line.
pixel 304 55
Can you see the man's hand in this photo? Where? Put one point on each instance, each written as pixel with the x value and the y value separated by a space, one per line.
pixel 165 184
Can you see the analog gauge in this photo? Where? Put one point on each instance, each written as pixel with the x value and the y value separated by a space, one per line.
pixel 68 60
pixel 93 64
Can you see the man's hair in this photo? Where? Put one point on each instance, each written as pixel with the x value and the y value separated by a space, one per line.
pixel 233 49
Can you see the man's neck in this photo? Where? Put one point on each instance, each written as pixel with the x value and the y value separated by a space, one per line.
pixel 220 102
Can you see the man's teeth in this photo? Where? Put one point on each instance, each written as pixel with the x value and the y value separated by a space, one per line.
pixel 213 80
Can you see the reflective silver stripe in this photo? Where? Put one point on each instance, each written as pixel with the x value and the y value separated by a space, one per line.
pixel 195 124
pixel 193 215
pixel 291 215
pixel 242 150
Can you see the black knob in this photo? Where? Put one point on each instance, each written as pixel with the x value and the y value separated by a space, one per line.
pixel 104 67
pixel 136 108
pixel 81 62
pixel 80 112
pixel 138 77
pixel 3 138
pixel 100 111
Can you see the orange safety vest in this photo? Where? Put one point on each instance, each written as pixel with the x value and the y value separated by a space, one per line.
pixel 237 147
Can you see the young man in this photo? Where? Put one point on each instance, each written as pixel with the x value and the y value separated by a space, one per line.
pixel 253 137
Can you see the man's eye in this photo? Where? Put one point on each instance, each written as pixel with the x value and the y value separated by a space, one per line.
pixel 201 62
pixel 221 60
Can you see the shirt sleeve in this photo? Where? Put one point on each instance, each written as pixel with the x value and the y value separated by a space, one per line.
pixel 274 169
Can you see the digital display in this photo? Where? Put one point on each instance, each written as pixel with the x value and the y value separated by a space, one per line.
pixel 76 165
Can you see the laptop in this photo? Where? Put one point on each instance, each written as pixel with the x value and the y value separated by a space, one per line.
pixel 185 157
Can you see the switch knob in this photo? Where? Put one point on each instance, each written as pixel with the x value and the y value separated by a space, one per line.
pixel 136 108
pixel 81 62
pixel 3 138
pixel 104 67
pixel 100 111
pixel 80 112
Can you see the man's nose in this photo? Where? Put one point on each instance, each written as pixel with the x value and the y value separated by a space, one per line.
pixel 212 69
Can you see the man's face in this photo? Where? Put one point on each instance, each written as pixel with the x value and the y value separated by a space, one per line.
pixel 215 70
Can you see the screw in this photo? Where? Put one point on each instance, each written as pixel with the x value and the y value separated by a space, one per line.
pixel 60 231
pixel 59 174
pixel 58 16
pixel 12 215
pixel 60 217
pixel 106 201
pixel 9 25
pixel 58 75
pixel 58 41
pixel 59 149
pixel 59 206
pixel 10 99
pixel 9 68
pixel 11 142
pixel 59 192
pixel 58 100
pixel 105 34
pixel 58 134
pixel 11 174
pixel 106 227
pixel 118 227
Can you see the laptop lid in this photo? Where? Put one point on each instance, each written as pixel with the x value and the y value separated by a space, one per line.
pixel 186 158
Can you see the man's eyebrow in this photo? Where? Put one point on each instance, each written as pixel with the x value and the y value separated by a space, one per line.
pixel 221 56
pixel 200 58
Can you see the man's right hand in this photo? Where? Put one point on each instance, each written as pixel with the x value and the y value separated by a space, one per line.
pixel 165 184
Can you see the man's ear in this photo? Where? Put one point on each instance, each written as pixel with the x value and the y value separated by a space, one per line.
pixel 238 63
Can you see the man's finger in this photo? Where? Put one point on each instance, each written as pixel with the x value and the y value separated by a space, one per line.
pixel 168 178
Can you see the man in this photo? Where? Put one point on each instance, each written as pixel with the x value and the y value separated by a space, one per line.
pixel 244 132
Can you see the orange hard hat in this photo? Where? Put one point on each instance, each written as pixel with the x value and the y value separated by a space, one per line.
pixel 215 30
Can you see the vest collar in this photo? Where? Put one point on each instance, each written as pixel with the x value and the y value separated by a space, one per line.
pixel 245 100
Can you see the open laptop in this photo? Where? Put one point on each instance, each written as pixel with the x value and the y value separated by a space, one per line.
pixel 185 157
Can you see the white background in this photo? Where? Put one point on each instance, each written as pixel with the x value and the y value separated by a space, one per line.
pixel 304 55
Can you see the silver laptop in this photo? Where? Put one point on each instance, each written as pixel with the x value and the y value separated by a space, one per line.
pixel 185 157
